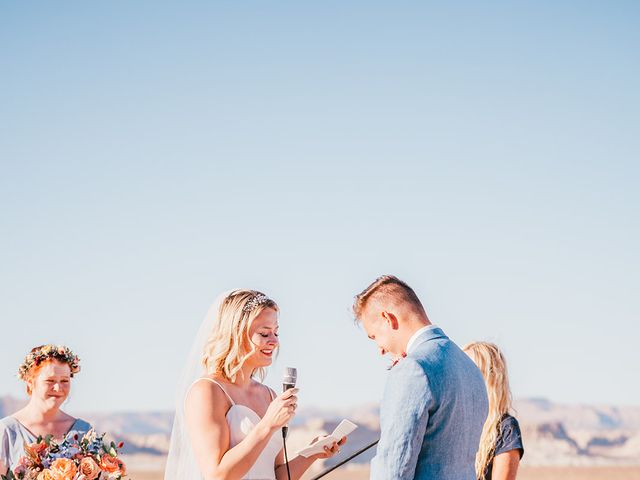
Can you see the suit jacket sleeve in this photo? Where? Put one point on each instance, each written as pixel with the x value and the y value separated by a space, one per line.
pixel 404 414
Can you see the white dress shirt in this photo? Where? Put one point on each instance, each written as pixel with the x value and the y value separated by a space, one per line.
pixel 415 336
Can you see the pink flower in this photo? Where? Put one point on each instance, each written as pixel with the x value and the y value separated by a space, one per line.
pixel 22 466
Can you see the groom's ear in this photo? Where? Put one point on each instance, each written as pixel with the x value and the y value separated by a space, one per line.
pixel 391 319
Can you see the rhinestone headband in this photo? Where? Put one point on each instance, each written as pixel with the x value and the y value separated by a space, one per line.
pixel 259 299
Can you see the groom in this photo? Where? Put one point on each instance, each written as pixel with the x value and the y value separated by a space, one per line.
pixel 435 401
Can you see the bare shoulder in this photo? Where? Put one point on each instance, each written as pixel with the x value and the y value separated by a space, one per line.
pixel 208 395
pixel 19 416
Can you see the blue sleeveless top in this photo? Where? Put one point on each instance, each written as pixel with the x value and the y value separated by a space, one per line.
pixel 13 435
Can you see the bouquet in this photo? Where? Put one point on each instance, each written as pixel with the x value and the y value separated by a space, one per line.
pixel 75 458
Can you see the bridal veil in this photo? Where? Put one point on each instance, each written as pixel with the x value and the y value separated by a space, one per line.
pixel 181 462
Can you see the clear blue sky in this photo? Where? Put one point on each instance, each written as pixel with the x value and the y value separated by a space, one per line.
pixel 154 154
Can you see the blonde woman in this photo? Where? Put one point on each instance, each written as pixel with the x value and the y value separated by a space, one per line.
pixel 228 423
pixel 47 372
pixel 501 445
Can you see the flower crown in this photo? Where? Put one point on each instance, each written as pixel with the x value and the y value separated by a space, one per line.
pixel 47 352
pixel 259 299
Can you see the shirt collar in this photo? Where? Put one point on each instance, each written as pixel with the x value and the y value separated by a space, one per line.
pixel 415 336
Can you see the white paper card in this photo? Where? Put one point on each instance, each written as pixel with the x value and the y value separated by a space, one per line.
pixel 342 430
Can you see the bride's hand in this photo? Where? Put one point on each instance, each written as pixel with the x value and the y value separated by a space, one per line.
pixel 281 410
pixel 329 450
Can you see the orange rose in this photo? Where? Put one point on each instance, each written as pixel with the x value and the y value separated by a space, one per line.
pixel 46 475
pixel 63 469
pixel 89 468
pixel 109 464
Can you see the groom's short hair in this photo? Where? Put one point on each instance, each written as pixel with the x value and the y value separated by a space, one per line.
pixel 388 288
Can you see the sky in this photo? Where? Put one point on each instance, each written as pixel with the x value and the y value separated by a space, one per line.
pixel 154 155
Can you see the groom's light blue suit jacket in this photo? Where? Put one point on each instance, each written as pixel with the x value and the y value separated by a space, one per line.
pixel 432 413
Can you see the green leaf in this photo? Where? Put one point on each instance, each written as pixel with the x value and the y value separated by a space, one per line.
pixel 9 476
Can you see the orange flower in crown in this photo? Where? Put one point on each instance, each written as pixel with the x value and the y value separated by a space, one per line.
pixel 49 352
pixel 63 469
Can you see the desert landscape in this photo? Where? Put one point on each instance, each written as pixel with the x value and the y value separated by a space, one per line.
pixel 567 442
pixel 525 473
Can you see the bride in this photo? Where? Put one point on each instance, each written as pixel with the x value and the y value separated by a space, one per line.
pixel 228 424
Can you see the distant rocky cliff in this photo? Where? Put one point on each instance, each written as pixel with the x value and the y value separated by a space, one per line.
pixel 554 434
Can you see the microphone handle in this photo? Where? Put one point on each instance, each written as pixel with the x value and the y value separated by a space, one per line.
pixel 285 387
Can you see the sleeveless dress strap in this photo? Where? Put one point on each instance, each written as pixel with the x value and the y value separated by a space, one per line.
pixel 271 393
pixel 219 385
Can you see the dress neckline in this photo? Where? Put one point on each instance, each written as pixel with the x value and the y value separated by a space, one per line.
pixel 23 426
pixel 244 406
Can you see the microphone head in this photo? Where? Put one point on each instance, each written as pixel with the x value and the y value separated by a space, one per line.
pixel 290 376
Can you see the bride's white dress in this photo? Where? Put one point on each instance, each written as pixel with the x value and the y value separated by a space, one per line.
pixel 241 420
pixel 181 462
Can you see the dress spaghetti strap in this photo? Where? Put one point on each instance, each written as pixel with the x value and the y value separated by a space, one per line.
pixel 218 384
pixel 271 393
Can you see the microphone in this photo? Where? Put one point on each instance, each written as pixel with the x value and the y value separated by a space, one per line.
pixel 288 382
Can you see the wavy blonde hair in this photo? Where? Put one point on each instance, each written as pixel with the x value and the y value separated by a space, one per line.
pixel 229 345
pixel 491 362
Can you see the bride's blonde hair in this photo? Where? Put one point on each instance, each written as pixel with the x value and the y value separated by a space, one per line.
pixel 491 362
pixel 229 345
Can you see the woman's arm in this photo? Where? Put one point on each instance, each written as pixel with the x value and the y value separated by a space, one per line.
pixel 3 468
pixel 205 410
pixel 505 465
pixel 299 464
